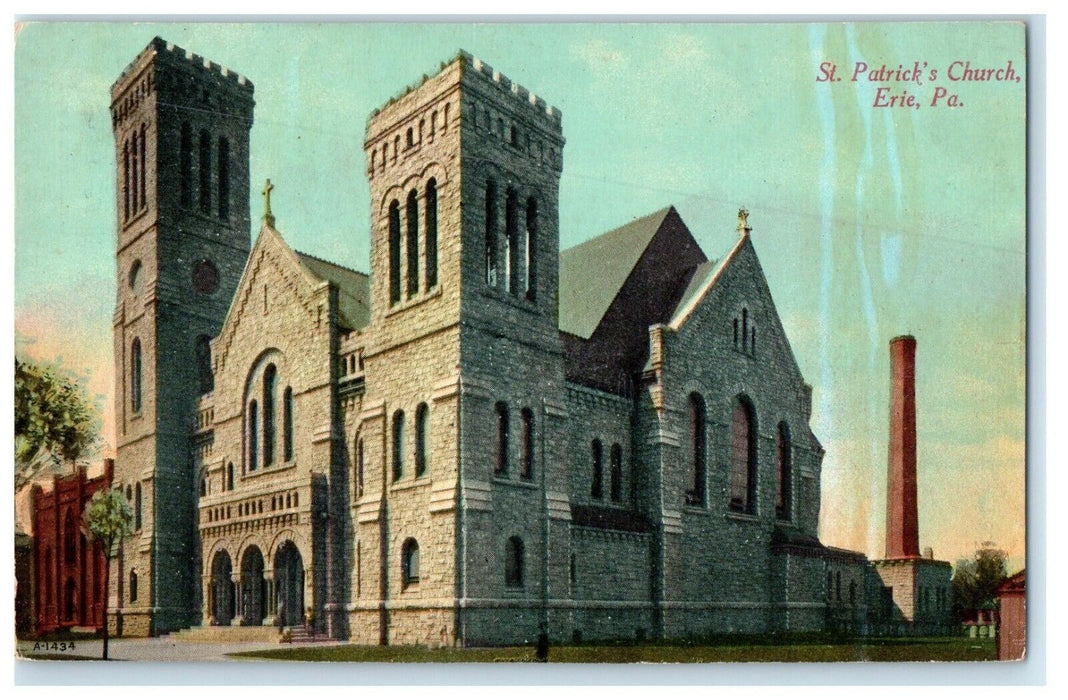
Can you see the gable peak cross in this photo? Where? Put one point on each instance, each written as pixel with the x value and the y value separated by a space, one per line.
pixel 268 217
pixel 743 221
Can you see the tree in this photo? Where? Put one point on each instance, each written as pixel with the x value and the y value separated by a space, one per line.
pixel 976 580
pixel 109 520
pixel 54 421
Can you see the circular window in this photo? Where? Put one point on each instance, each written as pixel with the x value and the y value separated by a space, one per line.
pixel 135 279
pixel 205 277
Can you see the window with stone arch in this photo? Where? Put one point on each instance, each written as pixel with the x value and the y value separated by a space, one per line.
pixel 398 445
pixel 252 420
pixel 287 424
pixel 431 206
pixel 126 180
pixel 743 457
pixel 185 166
pixel 410 562
pixel 526 444
pixel 135 375
pixel 597 478
pixel 203 484
pixel 411 216
pixel 205 376
pixel 698 443
pixel 616 473
pixel 205 172
pixel 137 506
pixel 491 233
pixel 134 174
pixel 501 443
pixel 133 585
pixel 784 492
pixel 530 278
pixel 358 458
pixel 144 166
pixel 422 438
pixel 270 388
pixel 394 252
pixel 223 170
pixel 230 476
pixel 511 242
pixel 513 563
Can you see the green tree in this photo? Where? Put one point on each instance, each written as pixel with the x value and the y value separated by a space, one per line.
pixel 976 580
pixel 109 520
pixel 54 421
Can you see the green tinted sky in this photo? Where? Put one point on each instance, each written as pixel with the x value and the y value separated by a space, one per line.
pixel 869 222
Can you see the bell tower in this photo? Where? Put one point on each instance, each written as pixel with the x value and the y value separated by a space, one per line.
pixel 181 126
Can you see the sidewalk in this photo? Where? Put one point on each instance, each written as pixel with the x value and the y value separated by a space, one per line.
pixel 160 649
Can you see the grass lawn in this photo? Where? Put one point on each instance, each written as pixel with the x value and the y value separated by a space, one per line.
pixel 920 649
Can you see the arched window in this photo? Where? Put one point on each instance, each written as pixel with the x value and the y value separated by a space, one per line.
pixel 421 437
pixel 396 147
pixel 409 140
pixel 852 592
pixel 412 218
pixel 270 380
pixel 70 539
pixel 838 585
pixel 205 172
pixel 735 332
pixel 135 376
pixel 129 492
pixel 135 177
pixel 359 467
pixel 125 180
pixel 513 563
pixel 526 444
pixel 185 165
pixel 532 249
pixel 617 473
pixel 830 585
pixel 398 445
pixel 491 233
pixel 133 586
pixel 698 451
pixel 783 494
pixel 144 165
pixel 230 476
pixel 394 252
pixel 137 506
pixel 596 485
pixel 431 205
pixel 513 135
pixel 743 457
pixel 203 357
pixel 224 177
pixel 745 328
pixel 445 119
pixel 252 426
pixel 511 231
pixel 410 562
pixel 501 444
pixel 203 485
pixel 287 424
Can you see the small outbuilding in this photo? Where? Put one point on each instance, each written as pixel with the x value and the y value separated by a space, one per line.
pixel 1012 630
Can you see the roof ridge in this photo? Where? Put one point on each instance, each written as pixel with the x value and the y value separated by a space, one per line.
pixel 330 262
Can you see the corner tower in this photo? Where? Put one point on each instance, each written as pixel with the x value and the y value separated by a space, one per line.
pixel 181 126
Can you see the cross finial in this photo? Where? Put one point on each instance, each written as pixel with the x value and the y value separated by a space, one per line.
pixel 268 217
pixel 743 221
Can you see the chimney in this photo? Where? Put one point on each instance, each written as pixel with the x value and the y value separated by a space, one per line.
pixel 902 528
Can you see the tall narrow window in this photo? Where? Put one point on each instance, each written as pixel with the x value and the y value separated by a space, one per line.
pixel 501 445
pixel 745 329
pixel 224 177
pixel 431 205
pixel 421 438
pixel 135 177
pixel 597 483
pixel 394 252
pixel 137 506
pixel 126 180
pixel 398 445
pixel 411 216
pixel 205 172
pixel 513 563
pixel 133 586
pixel 526 444
pixel 491 233
pixel 410 562
pixel 270 380
pixel 252 425
pixel 185 165
pixel 511 230
pixel 532 249
pixel 698 451
pixel 359 467
pixel 617 473
pixel 783 493
pixel 287 424
pixel 203 357
pixel 743 457
pixel 135 376
pixel 230 476
pixel 142 188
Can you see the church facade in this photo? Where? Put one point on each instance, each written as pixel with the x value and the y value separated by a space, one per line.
pixel 485 438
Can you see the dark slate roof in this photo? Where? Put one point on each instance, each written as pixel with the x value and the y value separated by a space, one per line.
pixel 592 273
pixel 608 519
pixel 354 289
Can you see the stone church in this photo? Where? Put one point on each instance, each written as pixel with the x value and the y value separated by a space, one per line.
pixel 483 439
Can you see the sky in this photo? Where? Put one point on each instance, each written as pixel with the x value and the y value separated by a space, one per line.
pixel 870 221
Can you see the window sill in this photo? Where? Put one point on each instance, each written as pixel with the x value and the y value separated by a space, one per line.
pixel 742 517
pixel 405 304
pixel 519 302
pixel 404 485
pixel 696 510
pixel 514 592
pixel 521 483
pixel 273 469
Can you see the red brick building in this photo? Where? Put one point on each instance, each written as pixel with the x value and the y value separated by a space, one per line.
pixel 1012 627
pixel 69 567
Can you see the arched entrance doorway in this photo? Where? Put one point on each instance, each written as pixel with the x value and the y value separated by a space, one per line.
pixel 289 585
pixel 222 588
pixel 252 585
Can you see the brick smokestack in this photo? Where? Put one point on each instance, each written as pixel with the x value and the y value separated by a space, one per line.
pixel 902 528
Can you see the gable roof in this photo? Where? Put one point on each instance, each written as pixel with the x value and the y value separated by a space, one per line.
pixel 703 280
pixel 592 273
pixel 354 289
